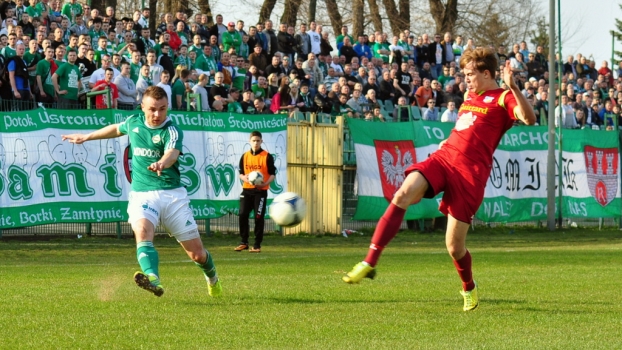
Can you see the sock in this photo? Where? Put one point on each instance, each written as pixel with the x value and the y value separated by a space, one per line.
pixel 147 258
pixel 464 270
pixel 208 268
pixel 387 228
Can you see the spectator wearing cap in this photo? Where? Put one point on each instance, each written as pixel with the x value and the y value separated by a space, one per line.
pixel 231 38
pixel 258 59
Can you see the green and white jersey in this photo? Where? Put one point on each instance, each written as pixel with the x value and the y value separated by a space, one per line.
pixel 8 52
pixel 147 146
pixel 68 77
pixel 71 11
pixel 43 70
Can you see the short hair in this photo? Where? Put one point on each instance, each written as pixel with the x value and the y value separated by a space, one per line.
pixel 484 59
pixel 184 73
pixel 165 72
pixel 155 92
pixel 97 20
pixel 256 133
pixel 110 70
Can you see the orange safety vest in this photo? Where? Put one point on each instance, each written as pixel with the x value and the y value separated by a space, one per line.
pixel 256 162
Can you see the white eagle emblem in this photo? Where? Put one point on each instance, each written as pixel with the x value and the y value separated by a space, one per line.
pixel 394 169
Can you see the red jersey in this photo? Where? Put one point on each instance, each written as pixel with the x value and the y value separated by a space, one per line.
pixel 100 100
pixel 483 118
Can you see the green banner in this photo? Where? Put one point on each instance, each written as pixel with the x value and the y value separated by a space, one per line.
pixel 516 188
pixel 44 180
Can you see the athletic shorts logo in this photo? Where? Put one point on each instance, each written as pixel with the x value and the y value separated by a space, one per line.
pixel 146 207
pixel 601 165
pixel 156 139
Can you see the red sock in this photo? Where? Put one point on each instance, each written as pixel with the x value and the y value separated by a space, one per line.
pixel 464 270
pixel 387 228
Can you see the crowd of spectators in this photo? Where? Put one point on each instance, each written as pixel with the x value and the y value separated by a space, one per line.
pixel 53 53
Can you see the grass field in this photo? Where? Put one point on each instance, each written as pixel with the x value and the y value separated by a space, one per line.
pixel 538 290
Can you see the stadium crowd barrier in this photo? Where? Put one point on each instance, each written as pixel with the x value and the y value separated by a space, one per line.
pixel 341 167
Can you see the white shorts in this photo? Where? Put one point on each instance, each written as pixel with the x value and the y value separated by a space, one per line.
pixel 171 208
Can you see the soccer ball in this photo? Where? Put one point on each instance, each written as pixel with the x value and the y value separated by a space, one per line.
pixel 288 209
pixel 255 178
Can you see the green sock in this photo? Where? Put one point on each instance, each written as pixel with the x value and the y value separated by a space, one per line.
pixel 147 258
pixel 208 267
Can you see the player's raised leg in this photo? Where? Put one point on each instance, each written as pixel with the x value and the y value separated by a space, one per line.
pixel 455 240
pixel 203 259
pixel 147 255
pixel 411 192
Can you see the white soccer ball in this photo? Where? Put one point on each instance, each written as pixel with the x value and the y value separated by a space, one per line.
pixel 255 178
pixel 288 209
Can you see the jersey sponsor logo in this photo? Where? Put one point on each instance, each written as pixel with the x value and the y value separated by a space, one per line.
pixel 481 110
pixel 156 139
pixel 602 173
pixel 465 121
pixel 145 152
pixel 393 157
pixel 135 130
pixel 488 99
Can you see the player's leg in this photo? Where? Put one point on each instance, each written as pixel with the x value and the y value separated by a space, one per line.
pixel 203 259
pixel 411 192
pixel 147 256
pixel 246 205
pixel 455 240
pixel 177 218
pixel 259 206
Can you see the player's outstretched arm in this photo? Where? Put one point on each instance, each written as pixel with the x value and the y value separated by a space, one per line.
pixel 106 132
pixel 168 159
pixel 523 111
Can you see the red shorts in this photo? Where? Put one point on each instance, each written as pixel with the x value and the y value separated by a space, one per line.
pixel 463 193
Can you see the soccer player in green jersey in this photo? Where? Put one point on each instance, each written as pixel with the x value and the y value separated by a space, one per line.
pixel 157 194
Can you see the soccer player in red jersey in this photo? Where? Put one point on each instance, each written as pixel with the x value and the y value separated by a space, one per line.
pixel 459 168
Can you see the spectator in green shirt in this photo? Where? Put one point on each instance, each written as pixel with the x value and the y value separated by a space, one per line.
pixel 179 90
pixel 231 38
pixel 71 10
pixel 44 71
pixel 234 106
pixel 67 82
pixel 344 33
pixel 135 66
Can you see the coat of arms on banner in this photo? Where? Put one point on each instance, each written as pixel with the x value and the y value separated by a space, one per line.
pixel 601 165
pixel 393 159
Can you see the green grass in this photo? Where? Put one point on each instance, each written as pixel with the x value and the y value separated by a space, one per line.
pixel 538 290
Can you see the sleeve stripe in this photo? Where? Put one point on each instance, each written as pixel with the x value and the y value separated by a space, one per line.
pixel 501 101
pixel 173 137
